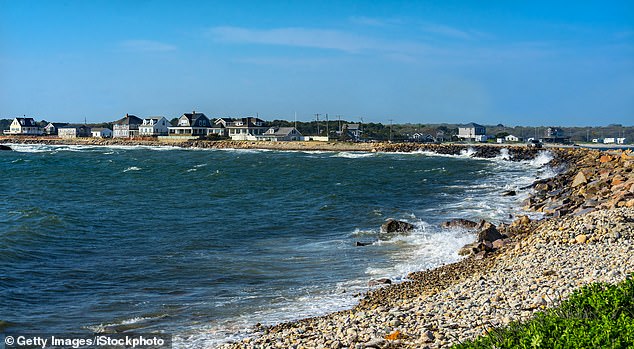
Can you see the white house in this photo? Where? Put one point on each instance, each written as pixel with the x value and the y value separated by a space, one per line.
pixel 512 138
pixel 24 127
pixel 126 127
pixel 101 132
pixel 614 140
pixel 154 126
pixel 597 140
pixel 73 131
pixel 52 127
pixel 472 132
pixel 277 134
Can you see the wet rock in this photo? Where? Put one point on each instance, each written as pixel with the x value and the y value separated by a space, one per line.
pixel 359 243
pixel 5 147
pixel 488 232
pixel 459 223
pixel 509 193
pixel 377 282
pixel 394 226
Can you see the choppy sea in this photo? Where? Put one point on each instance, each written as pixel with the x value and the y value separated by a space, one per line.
pixel 203 244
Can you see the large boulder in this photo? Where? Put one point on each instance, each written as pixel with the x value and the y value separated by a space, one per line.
pixel 5 147
pixel 459 223
pixel 394 226
pixel 488 232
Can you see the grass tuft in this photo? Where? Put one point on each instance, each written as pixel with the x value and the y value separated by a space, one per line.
pixel 596 316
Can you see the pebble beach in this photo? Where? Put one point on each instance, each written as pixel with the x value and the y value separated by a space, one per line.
pixel 585 237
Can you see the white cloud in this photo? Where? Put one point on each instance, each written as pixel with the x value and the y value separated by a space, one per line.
pixel 147 46
pixel 452 32
pixel 313 38
pixel 373 22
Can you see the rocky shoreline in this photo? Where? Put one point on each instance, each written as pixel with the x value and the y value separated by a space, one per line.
pixel 514 152
pixel 585 237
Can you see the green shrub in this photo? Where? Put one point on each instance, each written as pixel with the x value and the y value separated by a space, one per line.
pixel 596 316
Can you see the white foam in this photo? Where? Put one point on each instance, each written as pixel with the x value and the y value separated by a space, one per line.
pixel 350 155
pixel 132 168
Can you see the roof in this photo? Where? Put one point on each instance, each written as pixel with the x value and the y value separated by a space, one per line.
pixel 246 122
pixel 26 122
pixel 57 124
pixel 75 126
pixel 193 118
pixel 471 125
pixel 281 132
pixel 354 127
pixel 99 129
pixel 129 120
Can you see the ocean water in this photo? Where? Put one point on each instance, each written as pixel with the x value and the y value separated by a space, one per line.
pixel 203 244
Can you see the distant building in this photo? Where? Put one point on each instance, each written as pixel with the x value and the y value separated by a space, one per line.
pixel 74 131
pixel 194 125
pixel 472 132
pixel 354 131
pixel 555 135
pixel 512 138
pixel 52 127
pixel 423 137
pixel 622 140
pixel 154 126
pixel 24 127
pixel 246 128
pixel 126 127
pixel 597 140
pixel 101 132
pixel 277 134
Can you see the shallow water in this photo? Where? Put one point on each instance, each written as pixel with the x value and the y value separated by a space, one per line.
pixel 203 244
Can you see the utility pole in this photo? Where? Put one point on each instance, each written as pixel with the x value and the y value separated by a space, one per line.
pixel 390 120
pixel 317 117
pixel 339 117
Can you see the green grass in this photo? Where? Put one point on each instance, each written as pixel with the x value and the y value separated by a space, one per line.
pixel 595 316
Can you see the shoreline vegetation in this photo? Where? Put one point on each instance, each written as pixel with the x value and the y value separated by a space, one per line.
pixel 585 237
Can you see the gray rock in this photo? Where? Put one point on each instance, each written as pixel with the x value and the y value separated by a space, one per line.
pixel 394 226
pixel 459 223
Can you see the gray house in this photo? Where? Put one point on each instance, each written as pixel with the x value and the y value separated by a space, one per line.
pixel 472 132
pixel 126 127
pixel 277 134
pixel 191 125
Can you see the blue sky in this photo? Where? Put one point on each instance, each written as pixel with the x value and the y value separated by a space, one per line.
pixel 511 62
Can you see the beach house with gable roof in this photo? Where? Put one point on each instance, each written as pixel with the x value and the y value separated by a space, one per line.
pixel 194 125
pixel 24 127
pixel 278 134
pixel 472 132
pixel 154 126
pixel 126 127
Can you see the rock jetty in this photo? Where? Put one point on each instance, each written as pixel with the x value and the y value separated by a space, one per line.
pixel 586 236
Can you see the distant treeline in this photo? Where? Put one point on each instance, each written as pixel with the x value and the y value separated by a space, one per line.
pixel 400 132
